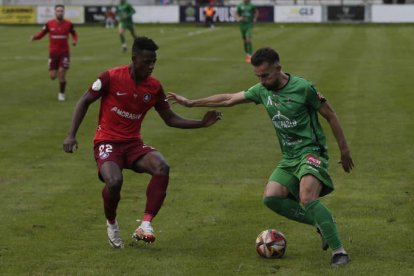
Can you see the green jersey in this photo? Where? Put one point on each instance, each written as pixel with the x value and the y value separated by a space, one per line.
pixel 124 13
pixel 247 11
pixel 293 111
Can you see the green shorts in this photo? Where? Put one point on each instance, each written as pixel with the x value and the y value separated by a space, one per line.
pixel 246 30
pixel 127 25
pixel 290 171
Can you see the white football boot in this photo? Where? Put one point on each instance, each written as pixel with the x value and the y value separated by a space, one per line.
pixel 144 232
pixel 114 235
pixel 61 97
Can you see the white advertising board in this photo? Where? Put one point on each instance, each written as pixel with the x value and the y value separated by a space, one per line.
pixel 392 13
pixel 156 14
pixel 298 13
pixel 75 14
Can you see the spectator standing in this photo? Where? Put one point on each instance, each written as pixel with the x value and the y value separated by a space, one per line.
pixel 209 13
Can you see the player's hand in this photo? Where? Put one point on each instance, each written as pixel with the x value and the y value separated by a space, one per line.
pixel 174 98
pixel 346 162
pixel 70 145
pixel 212 117
pixel 74 43
pixel 32 38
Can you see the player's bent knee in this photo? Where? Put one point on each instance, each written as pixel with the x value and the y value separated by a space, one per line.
pixel 162 169
pixel 306 198
pixel 53 74
pixel 114 183
pixel 275 189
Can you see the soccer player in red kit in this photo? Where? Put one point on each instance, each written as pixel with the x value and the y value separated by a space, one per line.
pixel 127 93
pixel 59 30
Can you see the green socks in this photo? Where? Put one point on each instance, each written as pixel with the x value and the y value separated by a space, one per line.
pixel 122 37
pixel 248 48
pixel 288 208
pixel 324 220
pixel 313 213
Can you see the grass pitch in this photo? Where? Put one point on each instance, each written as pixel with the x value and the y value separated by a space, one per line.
pixel 51 216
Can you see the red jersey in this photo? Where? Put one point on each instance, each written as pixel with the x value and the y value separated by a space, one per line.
pixel 124 103
pixel 58 35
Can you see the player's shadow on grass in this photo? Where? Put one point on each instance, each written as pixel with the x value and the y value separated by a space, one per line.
pixel 144 246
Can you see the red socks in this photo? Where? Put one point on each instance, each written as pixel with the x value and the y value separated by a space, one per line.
pixel 110 204
pixel 156 192
pixel 62 86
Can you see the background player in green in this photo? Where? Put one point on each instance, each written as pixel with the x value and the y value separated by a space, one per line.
pixel 301 177
pixel 247 14
pixel 124 13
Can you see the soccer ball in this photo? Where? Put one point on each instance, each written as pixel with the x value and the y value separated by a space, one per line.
pixel 271 244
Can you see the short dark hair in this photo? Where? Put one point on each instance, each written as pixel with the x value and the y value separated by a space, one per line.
pixel 265 54
pixel 142 43
pixel 59 6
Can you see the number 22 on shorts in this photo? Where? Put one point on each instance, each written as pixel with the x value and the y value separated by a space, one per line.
pixel 104 151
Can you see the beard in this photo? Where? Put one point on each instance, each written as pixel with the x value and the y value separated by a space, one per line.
pixel 271 86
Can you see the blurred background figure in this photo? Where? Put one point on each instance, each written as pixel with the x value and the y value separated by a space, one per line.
pixel 247 14
pixel 110 17
pixel 209 12
pixel 124 13
pixel 59 29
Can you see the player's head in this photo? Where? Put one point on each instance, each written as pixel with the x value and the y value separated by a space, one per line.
pixel 267 68
pixel 144 56
pixel 59 11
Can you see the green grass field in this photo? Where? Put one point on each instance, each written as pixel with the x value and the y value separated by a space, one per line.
pixel 51 216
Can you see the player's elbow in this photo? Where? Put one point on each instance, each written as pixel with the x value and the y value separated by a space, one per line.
pixel 170 123
pixel 231 102
pixel 85 101
pixel 234 99
pixel 331 116
pixel 228 103
pixel 228 100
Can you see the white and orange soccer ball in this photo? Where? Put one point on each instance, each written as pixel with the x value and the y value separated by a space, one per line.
pixel 271 243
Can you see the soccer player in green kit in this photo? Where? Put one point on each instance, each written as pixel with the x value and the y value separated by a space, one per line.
pixel 301 177
pixel 247 14
pixel 124 13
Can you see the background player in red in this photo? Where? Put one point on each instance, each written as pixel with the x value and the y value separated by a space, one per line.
pixel 127 93
pixel 58 29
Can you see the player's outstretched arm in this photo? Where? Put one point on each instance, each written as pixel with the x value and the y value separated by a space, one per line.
pixel 329 114
pixel 212 101
pixel 74 35
pixel 174 120
pixel 36 37
pixel 40 34
pixel 70 144
pixel 256 14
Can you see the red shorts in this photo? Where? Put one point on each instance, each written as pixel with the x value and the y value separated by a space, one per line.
pixel 57 60
pixel 122 153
